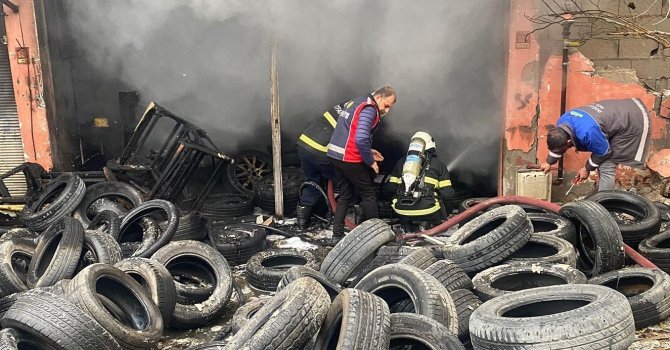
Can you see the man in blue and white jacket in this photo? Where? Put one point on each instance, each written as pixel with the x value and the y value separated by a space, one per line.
pixel 614 131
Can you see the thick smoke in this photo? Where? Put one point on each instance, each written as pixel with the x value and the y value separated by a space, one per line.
pixel 208 61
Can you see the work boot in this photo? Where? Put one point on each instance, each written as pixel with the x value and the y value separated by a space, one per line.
pixel 303 214
pixel 338 233
pixel 358 211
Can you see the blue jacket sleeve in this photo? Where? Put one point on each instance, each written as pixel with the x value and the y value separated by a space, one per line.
pixel 364 134
pixel 596 143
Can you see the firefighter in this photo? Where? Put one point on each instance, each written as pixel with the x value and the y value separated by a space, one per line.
pixel 614 131
pixel 351 155
pixel 419 183
pixel 312 148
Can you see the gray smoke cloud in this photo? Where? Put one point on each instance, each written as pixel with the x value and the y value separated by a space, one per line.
pixel 208 61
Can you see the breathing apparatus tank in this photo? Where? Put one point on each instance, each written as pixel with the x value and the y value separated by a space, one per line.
pixel 411 170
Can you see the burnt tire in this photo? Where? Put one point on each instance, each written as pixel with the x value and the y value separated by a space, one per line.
pixel 387 254
pixel 553 225
pixel 292 179
pixel 120 304
pixel 14 254
pixel 599 241
pixel 20 233
pixel 466 303
pixel 296 272
pixel 418 331
pixel 576 316
pixel 192 226
pixel 355 248
pixel 62 195
pixel 124 196
pixel 355 320
pixel 59 323
pixel 287 321
pixel 646 216
pixel 397 282
pixel 265 269
pixel 99 247
pixel 156 280
pixel 57 253
pixel 450 275
pixel 194 253
pixel 106 221
pixel 545 249
pixel 489 238
pixel 159 210
pixel 657 249
pixel 508 278
pixel 221 206
pixel 245 312
pixel 420 258
pixel 647 291
pixel 237 243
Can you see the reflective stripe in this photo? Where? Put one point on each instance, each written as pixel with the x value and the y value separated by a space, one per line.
pixel 336 148
pixel 645 131
pixel 555 155
pixel 592 163
pixel 330 119
pixel 431 181
pixel 444 183
pixel 417 212
pixel 394 180
pixel 311 143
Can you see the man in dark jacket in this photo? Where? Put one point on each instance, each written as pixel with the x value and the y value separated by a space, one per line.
pixel 312 148
pixel 420 201
pixel 351 155
pixel 614 131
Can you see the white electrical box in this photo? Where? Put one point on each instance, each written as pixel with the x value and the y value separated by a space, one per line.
pixel 534 184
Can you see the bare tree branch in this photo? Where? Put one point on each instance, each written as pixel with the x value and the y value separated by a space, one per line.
pixel 598 23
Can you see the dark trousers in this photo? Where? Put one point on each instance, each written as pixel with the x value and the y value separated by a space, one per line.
pixel 353 178
pixel 316 169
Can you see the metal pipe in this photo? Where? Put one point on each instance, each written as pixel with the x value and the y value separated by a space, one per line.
pixel 564 86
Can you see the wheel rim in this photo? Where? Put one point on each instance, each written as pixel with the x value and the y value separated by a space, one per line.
pixel 249 169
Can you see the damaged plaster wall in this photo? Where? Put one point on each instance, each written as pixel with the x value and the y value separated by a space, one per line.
pixel 600 69
pixel 208 61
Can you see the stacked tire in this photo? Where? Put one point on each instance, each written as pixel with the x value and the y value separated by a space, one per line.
pixel 264 190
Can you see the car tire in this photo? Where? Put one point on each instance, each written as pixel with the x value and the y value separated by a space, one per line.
pixel 575 316
pixel 599 241
pixel 647 291
pixel 508 278
pixel 489 238
pixel 355 248
pixel 265 270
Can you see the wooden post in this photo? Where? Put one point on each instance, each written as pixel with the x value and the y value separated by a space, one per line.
pixel 276 133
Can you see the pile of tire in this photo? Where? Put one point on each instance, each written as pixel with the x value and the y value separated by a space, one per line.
pixel 264 190
pixel 507 279
pixel 226 206
pixel 98 268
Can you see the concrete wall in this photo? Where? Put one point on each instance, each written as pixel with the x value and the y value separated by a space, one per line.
pixel 600 69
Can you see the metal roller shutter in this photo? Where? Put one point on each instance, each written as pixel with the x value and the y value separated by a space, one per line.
pixel 11 145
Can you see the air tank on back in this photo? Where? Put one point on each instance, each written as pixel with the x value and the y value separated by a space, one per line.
pixel 414 161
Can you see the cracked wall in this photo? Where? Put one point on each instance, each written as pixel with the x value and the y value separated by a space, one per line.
pixel 534 89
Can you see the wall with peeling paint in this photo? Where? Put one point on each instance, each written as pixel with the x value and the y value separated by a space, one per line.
pixel 534 89
pixel 28 86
